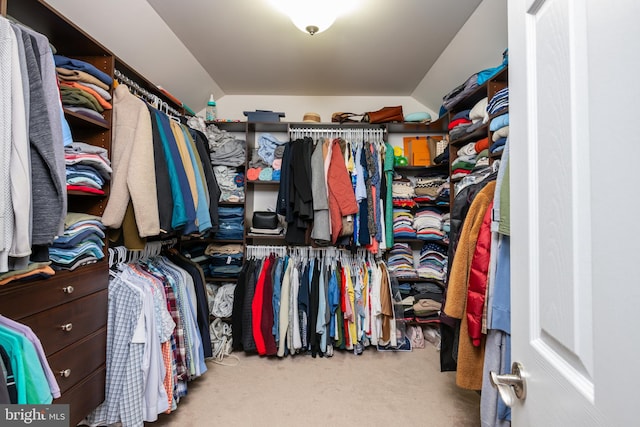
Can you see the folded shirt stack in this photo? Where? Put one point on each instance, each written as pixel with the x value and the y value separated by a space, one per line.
pixel 428 224
pixel 226 149
pixel 459 124
pixel 425 302
pixel 231 182
pixel 81 244
pixel 427 189
pixel 88 168
pixel 84 89
pixel 478 115
pixel 217 260
pixel 266 159
pixel 433 261
pixel 443 193
pixel 499 102
pixel 498 145
pixel 500 128
pixel 400 261
pixel 403 192
pixel 482 160
pixel 231 223
pixel 403 224
pixel 267 231
pixel 33 271
pixel 464 163
pixel 446 225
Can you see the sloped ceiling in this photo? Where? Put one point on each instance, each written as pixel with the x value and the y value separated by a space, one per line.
pixel 195 48
pixel 248 48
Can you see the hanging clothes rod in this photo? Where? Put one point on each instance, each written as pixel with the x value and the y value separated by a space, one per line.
pixel 152 98
pixel 350 134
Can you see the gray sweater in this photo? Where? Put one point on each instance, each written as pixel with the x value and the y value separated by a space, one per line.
pixel 321 229
pixel 48 192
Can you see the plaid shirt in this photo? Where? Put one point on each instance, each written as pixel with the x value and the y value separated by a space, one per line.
pixel 180 349
pixel 124 392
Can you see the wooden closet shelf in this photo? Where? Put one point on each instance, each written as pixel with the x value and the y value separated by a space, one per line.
pixel 271 183
pixel 83 194
pixel 422 168
pixel 210 279
pixel 477 134
pixel 76 119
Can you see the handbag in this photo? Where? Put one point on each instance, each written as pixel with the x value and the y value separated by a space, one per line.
pixel 386 115
pixel 346 117
pixel 347 226
pixel 265 220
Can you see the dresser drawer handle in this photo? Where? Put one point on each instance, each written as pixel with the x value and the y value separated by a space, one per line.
pixel 68 289
pixel 67 327
pixel 66 373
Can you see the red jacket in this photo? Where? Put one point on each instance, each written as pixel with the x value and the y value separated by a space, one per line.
pixel 342 199
pixel 478 276
pixel 256 309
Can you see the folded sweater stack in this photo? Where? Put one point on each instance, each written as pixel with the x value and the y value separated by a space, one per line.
pixel 88 168
pixel 400 261
pixel 433 261
pixel 403 192
pixel 429 189
pixel 84 89
pixel 428 224
pixel 81 243
pixel 266 160
pixel 403 224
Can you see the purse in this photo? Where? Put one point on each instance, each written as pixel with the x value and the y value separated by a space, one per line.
pixel 347 226
pixel 386 115
pixel 346 117
pixel 265 220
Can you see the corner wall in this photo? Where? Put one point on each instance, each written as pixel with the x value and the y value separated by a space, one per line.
pixel 232 106
pixel 478 45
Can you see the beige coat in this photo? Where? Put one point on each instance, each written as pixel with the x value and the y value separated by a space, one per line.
pixel 470 358
pixel 134 174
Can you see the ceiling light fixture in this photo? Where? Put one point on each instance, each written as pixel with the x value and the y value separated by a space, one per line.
pixel 314 16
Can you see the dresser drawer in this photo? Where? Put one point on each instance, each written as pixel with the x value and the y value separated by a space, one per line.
pixel 67 323
pixel 73 363
pixel 85 396
pixel 25 299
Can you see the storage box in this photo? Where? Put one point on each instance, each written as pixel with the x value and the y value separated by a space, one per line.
pixel 263 116
pixel 416 150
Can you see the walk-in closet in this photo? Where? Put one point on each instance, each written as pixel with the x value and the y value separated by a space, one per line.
pixel 271 212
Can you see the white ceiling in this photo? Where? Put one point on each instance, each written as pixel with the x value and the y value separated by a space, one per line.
pixel 248 48
pixel 391 52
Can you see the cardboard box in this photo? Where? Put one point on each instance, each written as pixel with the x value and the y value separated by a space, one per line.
pixel 416 150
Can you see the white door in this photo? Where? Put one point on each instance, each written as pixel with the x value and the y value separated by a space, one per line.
pixel 574 78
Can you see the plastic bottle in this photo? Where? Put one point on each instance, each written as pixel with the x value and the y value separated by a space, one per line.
pixel 211 112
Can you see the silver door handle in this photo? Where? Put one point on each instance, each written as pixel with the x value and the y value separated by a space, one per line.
pixel 511 386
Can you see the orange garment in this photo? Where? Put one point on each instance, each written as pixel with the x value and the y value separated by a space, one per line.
pixel 167 355
pixel 43 270
pixel 470 357
pixel 482 144
pixel 342 200
pixel 103 102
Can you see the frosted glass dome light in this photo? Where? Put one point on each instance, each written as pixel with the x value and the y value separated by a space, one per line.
pixel 314 16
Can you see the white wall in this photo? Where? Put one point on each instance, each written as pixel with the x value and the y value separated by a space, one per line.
pixel 135 41
pixel 232 106
pixel 478 45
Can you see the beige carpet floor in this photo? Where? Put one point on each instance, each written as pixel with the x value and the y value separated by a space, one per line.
pixel 374 389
